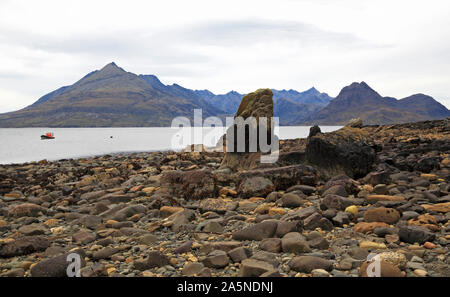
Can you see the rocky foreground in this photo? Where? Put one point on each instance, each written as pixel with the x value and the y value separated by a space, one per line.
pixel 331 199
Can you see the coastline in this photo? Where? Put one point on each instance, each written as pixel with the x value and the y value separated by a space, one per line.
pixel 167 213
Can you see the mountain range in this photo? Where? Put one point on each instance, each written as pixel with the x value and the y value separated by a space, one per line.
pixel 113 97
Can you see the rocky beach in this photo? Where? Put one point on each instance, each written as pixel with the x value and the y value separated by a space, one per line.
pixel 329 201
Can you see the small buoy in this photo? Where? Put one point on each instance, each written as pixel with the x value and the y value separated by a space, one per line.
pixel 110 137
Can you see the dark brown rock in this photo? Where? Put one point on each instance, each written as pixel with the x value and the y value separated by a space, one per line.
pixel 24 246
pixel 258 231
pixel 381 214
pixel 308 263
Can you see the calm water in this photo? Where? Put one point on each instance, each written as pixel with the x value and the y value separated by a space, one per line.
pixel 25 145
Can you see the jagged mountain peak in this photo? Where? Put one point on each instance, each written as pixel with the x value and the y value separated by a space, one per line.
pixel 111 68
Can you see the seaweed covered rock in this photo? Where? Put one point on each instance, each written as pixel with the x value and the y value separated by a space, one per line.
pixel 347 150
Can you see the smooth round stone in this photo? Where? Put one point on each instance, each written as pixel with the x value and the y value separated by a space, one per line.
pixel 320 273
pixel 420 272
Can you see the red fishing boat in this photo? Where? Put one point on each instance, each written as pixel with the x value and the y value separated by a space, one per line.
pixel 48 135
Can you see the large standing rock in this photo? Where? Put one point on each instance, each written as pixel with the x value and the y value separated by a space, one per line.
pixel 349 150
pixel 257 105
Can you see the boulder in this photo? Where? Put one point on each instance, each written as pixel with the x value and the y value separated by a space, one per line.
pixel 191 185
pixel 55 267
pixel 349 150
pixel 24 246
pixel 257 232
pixel 308 263
pixel 381 214
pixel 284 177
pixel 255 186
pixel 254 268
pixel 412 234
pixel 257 105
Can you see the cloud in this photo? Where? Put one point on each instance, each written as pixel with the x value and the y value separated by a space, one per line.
pixel 223 46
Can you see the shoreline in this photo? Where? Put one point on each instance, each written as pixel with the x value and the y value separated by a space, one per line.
pixel 375 189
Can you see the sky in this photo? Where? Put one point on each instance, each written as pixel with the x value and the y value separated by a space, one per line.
pixel 398 47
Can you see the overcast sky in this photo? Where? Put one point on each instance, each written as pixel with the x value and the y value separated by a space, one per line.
pixel 398 47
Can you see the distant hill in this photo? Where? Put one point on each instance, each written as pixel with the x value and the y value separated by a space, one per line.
pixel 110 97
pixel 360 100
pixel 289 105
pixel 113 97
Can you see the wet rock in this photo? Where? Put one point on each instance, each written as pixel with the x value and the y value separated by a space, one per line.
pixel 184 247
pixel 154 259
pixel 129 211
pixel 54 267
pixel 191 269
pixel 317 221
pixel 147 239
pixel 331 201
pixel 318 243
pixel 192 185
pixel 216 259
pixel 91 221
pixel 239 254
pixel 83 237
pixel 342 218
pixel 427 164
pixel 412 234
pixel 308 263
pixel 291 200
pixel 308 190
pixel 285 177
pixel 216 205
pixel 364 227
pixel 294 243
pixel 26 210
pixel 386 270
pixel 300 214
pixel 213 226
pixel 257 232
pixel 105 253
pixel 382 214
pixel 268 257
pixel 24 246
pixel 337 190
pixel 255 186
pixel 350 149
pixel 272 245
pixel 33 229
pixel 254 268
pixel 15 272
pixel 285 227
pixel 426 220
